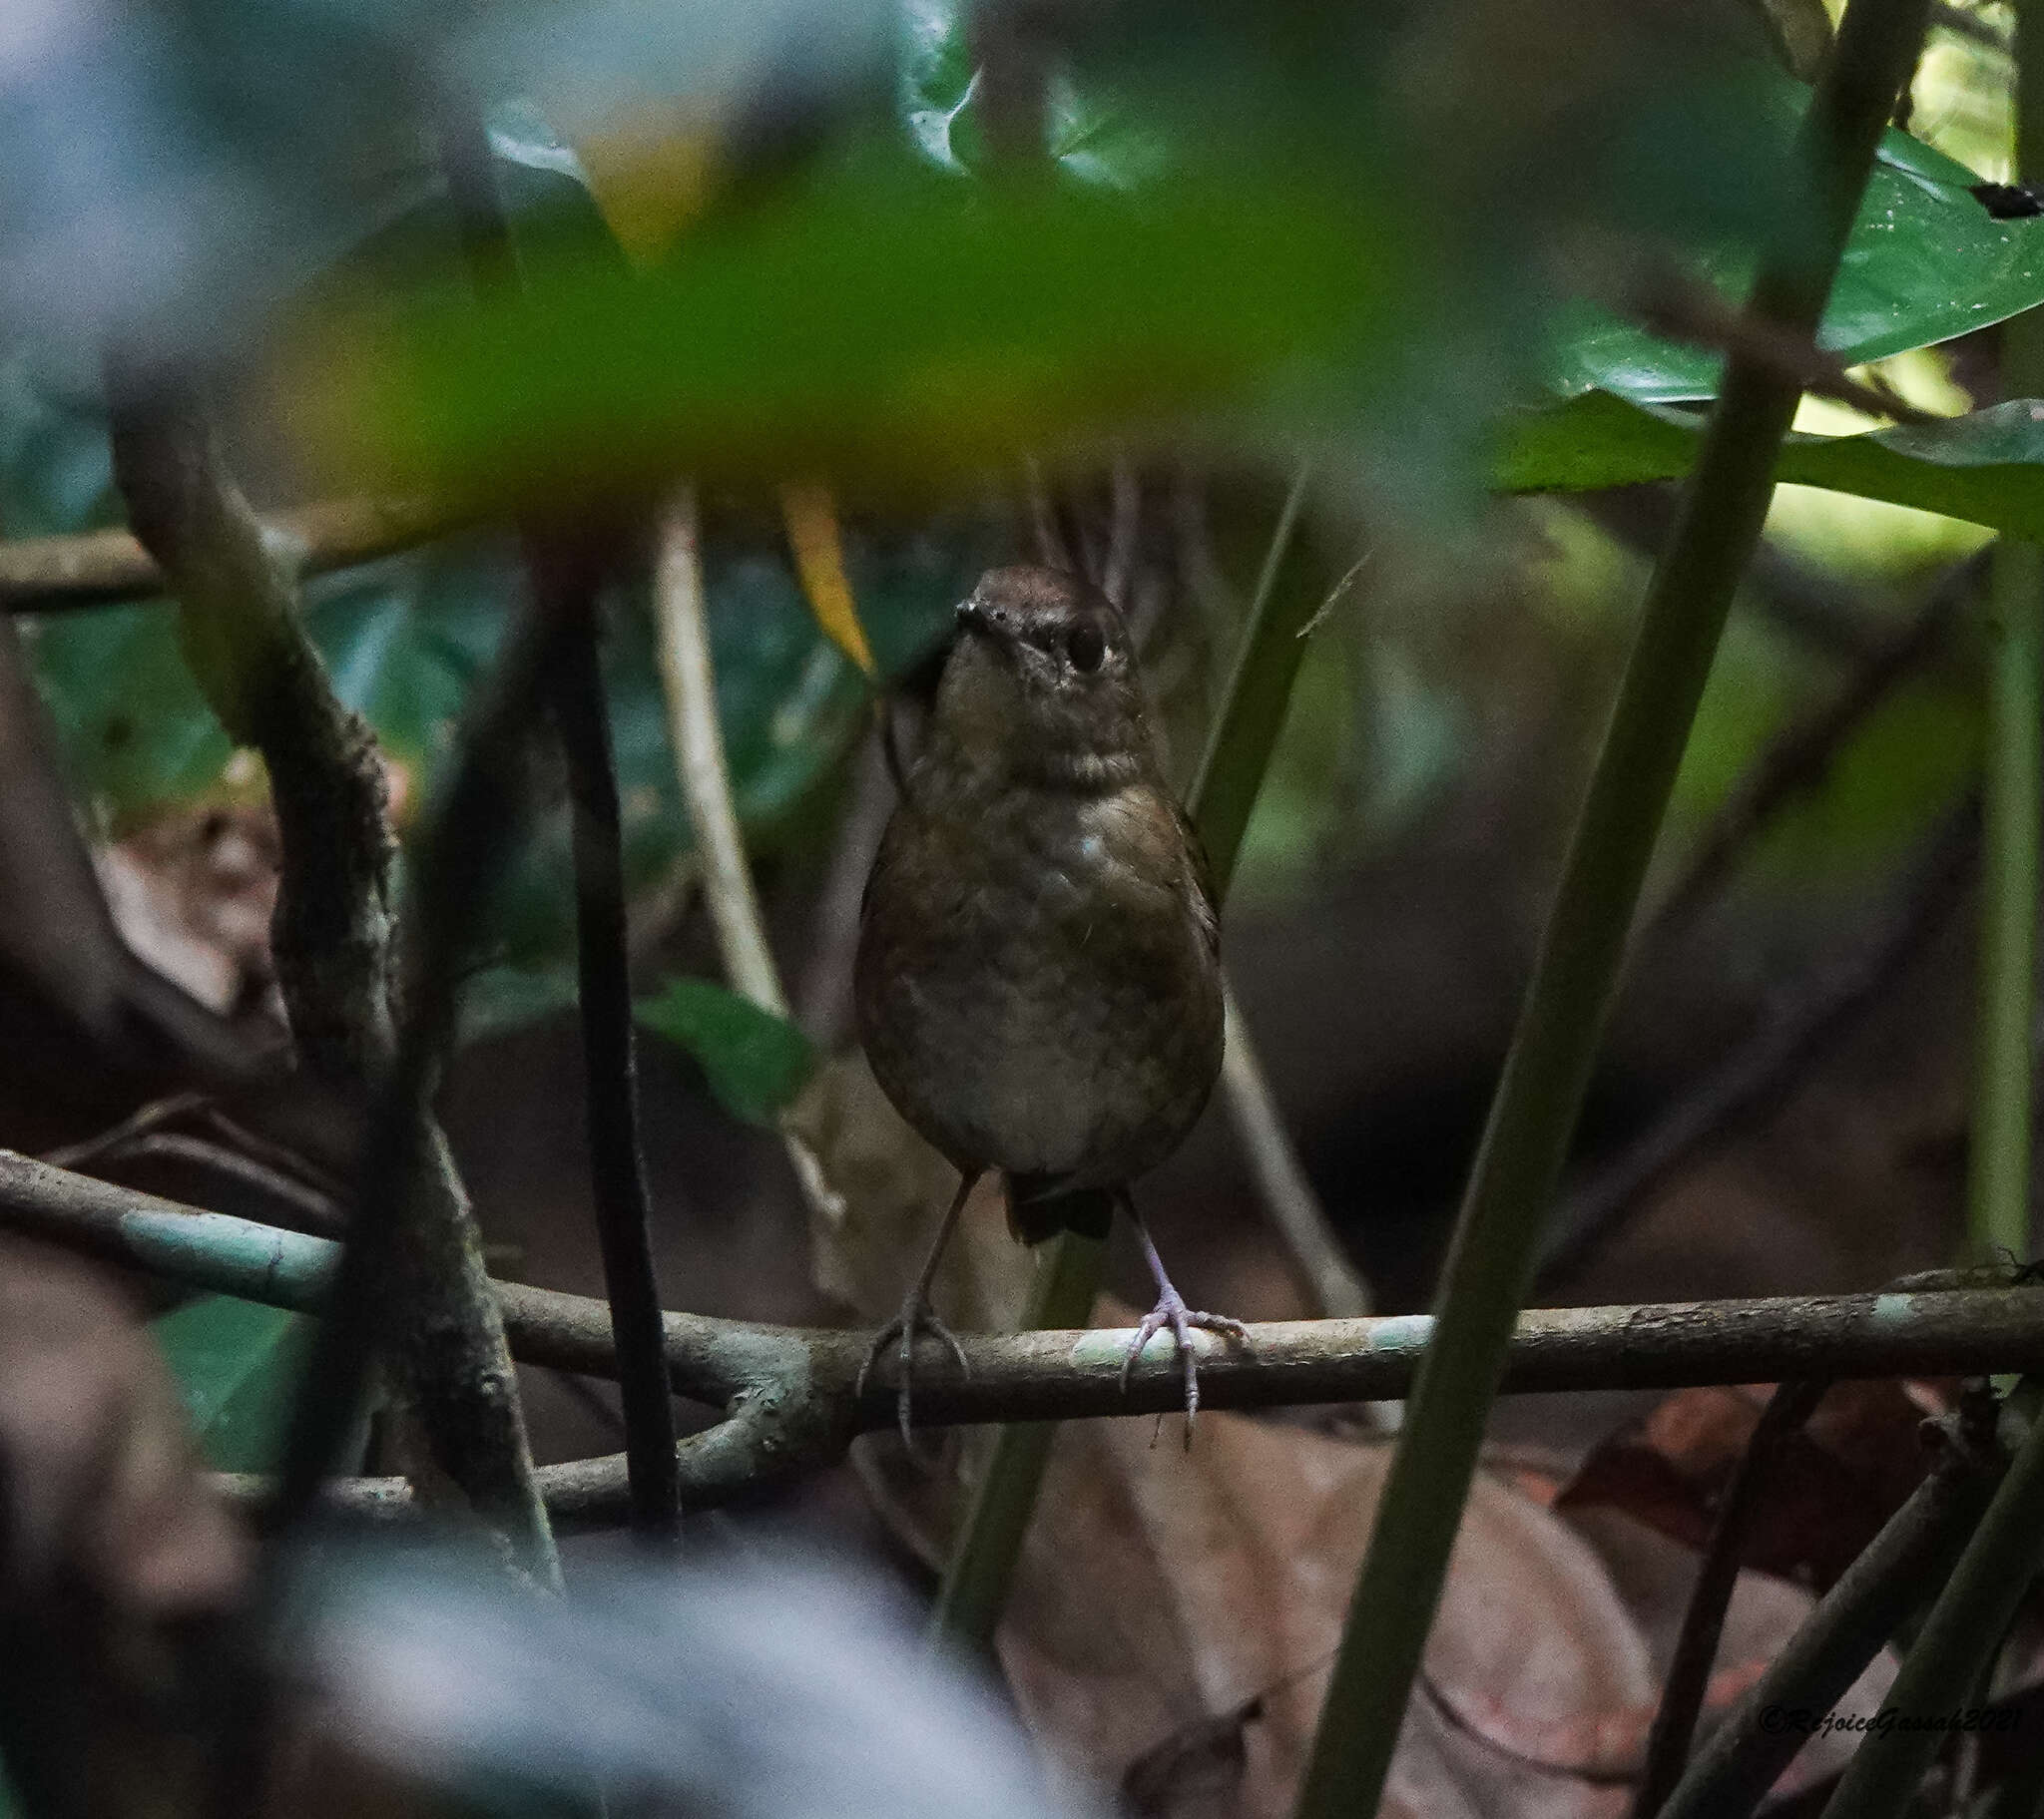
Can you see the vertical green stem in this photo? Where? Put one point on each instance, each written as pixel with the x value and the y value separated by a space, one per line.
pixel 976 1580
pixel 1998 1176
pixel 1972 1613
pixel 1490 1259
pixel 976 1583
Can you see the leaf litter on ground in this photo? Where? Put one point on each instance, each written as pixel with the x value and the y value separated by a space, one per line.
pixel 1174 1614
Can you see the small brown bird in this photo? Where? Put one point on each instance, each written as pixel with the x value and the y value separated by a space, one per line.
pixel 1038 984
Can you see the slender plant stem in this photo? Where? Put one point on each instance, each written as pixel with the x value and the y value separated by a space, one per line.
pixel 1491 1256
pixel 624 1213
pixel 690 688
pixel 975 1587
pixel 1998 1173
pixel 688 683
pixel 1962 1632
pixel 100 567
pixel 1703 1623
pixel 570 574
pixel 1741 1759
pixel 1338 1288
pixel 1258 691
pixel 982 1566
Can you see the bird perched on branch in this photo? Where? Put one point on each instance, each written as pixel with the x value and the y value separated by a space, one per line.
pixel 1038 983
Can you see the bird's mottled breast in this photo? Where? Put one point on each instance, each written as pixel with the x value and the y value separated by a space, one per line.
pixel 1038 985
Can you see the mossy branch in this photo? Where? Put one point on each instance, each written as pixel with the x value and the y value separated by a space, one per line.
pixel 241 628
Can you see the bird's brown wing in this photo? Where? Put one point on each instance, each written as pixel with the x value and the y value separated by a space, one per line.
pixel 1201 869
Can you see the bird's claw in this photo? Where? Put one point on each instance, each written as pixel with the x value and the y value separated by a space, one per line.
pixel 1171 1312
pixel 915 1316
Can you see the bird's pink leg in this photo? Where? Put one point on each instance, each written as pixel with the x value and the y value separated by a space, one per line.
pixel 916 1316
pixel 1171 1310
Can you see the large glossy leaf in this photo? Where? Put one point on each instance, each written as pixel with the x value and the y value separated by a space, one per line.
pixel 237 1367
pixel 1925 262
pixel 1983 466
pixel 1088 137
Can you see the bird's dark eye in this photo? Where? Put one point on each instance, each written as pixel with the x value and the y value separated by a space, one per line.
pixel 1087 648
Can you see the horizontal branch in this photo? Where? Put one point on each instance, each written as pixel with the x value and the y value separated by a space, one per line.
pixel 807 1377
pixel 99 568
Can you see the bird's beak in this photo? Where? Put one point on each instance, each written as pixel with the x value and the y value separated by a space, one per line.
pixel 974 617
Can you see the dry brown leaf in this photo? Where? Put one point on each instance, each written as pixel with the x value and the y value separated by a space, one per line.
pixel 1157 1588
pixel 1837 1482
pixel 102 1487
pixel 191 894
pixel 113 1550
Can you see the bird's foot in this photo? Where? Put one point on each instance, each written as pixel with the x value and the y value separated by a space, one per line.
pixel 915 1316
pixel 1171 1310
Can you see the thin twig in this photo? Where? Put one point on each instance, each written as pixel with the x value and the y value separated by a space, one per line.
pixel 1970 26
pixel 824 996
pixel 1974 1607
pixel 1799 757
pixel 295 1205
pixel 691 689
pixel 1750 1081
pixel 1810 604
pixel 1745 1755
pixel 139 1123
pixel 100 567
pixel 624 1213
pixel 1283 1187
pixel 1703 1623
pixel 688 685
pixel 1668 301
pixel 1053 1375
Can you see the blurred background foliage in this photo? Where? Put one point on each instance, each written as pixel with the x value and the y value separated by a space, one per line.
pixel 1470 263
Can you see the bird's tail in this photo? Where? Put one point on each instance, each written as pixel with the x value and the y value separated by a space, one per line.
pixel 1041 1206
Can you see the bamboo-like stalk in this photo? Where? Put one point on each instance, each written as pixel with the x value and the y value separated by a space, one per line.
pixel 1491 1261
pixel 1958 1639
pixel 1998 1163
pixel 1743 1758
pixel 1245 731
pixel 1956 1646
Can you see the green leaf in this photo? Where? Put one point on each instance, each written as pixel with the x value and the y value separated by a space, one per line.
pixel 755 1062
pixel 134 729
pixel 1983 467
pixel 874 327
pixel 933 86
pixel 1087 136
pixel 236 1366
pixel 1925 262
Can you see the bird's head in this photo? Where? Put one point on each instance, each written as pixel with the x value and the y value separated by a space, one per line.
pixel 1041 683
